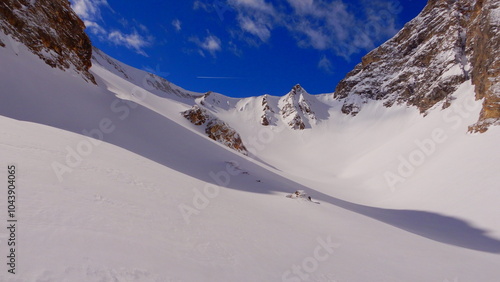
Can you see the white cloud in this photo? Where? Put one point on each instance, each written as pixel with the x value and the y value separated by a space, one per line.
pixel 325 64
pixel 197 5
pixel 257 5
pixel 132 41
pixel 143 27
pixel 319 24
pixel 234 48
pixel 90 12
pixel 315 36
pixel 177 24
pixel 259 29
pixel 95 28
pixel 255 17
pixel 303 6
pixel 211 43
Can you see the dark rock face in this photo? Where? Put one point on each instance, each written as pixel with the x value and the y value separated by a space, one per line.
pixel 267 117
pixel 215 128
pixel 450 42
pixel 483 48
pixel 221 132
pixel 196 115
pixel 51 30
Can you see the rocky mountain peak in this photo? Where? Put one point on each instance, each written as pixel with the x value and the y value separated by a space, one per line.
pixel 295 109
pixel 51 30
pixel 296 88
pixel 450 42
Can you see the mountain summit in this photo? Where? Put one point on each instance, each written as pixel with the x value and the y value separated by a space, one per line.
pixel 448 43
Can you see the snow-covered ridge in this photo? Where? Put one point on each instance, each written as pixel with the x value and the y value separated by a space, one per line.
pixel 151 82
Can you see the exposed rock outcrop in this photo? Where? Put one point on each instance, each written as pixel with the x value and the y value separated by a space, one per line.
pixel 483 49
pixel 51 30
pixel 215 128
pixel 268 117
pixel 448 43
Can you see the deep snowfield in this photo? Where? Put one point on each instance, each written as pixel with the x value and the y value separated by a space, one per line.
pixel 159 201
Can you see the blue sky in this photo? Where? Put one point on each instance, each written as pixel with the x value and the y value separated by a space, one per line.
pixel 244 48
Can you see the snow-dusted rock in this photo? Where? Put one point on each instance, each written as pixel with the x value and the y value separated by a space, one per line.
pixel 51 30
pixel 295 109
pixel 448 43
pixel 215 128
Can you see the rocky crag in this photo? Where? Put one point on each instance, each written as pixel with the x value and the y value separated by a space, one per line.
pixel 450 42
pixel 51 30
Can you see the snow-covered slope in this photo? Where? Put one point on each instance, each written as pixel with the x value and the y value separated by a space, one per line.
pixel 157 200
pixel 136 179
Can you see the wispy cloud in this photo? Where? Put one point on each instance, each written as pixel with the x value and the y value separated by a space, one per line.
pixel 177 24
pixel 320 24
pixel 255 26
pixel 95 28
pixel 325 64
pixel 199 5
pixel 256 17
pixel 211 44
pixel 90 12
pixel 255 5
pixel 132 41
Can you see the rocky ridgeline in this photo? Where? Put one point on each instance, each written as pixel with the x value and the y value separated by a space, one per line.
pixel 51 30
pixel 215 128
pixel 451 41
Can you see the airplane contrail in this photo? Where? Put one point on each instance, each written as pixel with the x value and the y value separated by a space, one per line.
pixel 217 77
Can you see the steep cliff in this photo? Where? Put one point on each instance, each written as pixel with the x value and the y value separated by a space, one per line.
pixel 450 42
pixel 483 49
pixel 51 30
